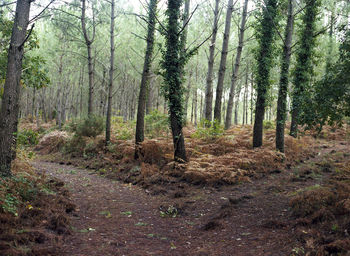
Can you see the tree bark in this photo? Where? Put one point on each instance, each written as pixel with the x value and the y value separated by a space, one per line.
pixel 10 101
pixel 283 85
pixel 111 76
pixel 140 121
pixel 222 69
pixel 209 84
pixel 264 62
pixel 228 121
pixel 88 43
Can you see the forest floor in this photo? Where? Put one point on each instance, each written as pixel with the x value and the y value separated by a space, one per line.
pixel 248 218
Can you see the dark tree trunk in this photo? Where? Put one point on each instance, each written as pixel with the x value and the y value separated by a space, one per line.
pixel 283 87
pixel 140 122
pixel 228 120
pixel 209 85
pixel 111 76
pixel 10 100
pixel 222 69
pixel 173 65
pixel 303 69
pixel 264 61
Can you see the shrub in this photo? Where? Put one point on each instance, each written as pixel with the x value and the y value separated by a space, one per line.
pixel 156 124
pixel 124 130
pixel 268 125
pixel 208 130
pixel 76 144
pixel 27 138
pixel 89 127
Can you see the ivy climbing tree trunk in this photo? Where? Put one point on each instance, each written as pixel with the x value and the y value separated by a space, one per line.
pixel 222 69
pixel 304 66
pixel 265 37
pixel 228 120
pixel 140 122
pixel 10 100
pixel 209 84
pixel 283 85
pixel 111 75
pixel 173 65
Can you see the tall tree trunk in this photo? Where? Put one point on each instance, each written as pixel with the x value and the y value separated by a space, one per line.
pixel 222 69
pixel 303 67
pixel 173 65
pixel 209 84
pixel 10 100
pixel 228 121
pixel 88 43
pixel 284 80
pixel 140 122
pixel 264 62
pixel 111 76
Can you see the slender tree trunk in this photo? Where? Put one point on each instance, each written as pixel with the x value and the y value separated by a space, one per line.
pixel 238 93
pixel 283 87
pixel 209 84
pixel 222 69
pixel 140 121
pixel 111 76
pixel 228 121
pixel 88 43
pixel 10 100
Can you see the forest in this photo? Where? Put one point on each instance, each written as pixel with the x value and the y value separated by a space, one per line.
pixel 174 127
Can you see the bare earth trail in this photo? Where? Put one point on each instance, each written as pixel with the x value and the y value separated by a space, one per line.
pixel 113 218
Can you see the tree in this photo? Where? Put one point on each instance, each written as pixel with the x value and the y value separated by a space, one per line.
pixel 265 37
pixel 10 101
pixel 172 63
pixel 304 66
pixel 209 82
pixel 111 76
pixel 228 120
pixel 284 80
pixel 88 43
pixel 140 122
pixel 222 69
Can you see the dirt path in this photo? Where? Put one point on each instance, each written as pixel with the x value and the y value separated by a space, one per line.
pixel 119 219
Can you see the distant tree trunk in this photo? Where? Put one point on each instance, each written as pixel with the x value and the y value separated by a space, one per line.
pixel 228 121
pixel 10 100
pixel 140 121
pixel 283 86
pixel 251 99
pixel 264 62
pixel 238 93
pixel 88 43
pixel 173 65
pixel 222 69
pixel 187 93
pixel 111 76
pixel 209 84
pixel 303 67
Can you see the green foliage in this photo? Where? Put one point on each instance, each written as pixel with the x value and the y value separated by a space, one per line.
pixel 305 57
pixel 156 124
pixel 123 129
pixel 329 101
pixel 27 138
pixel 268 125
pixel 89 127
pixel 76 144
pixel 208 130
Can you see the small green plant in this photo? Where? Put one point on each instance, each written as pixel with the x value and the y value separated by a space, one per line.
pixel 157 124
pixel 268 125
pixel 171 211
pixel 209 130
pixel 27 138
